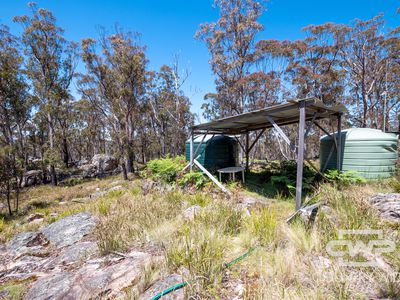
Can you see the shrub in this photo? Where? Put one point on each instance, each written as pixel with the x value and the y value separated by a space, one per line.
pixel 284 179
pixel 165 169
pixel 72 181
pixel 344 178
pixel 196 179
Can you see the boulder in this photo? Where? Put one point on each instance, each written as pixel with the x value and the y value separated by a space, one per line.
pixel 88 170
pixel 160 285
pixel 248 204
pixel 94 280
pixel 191 212
pixel 32 177
pixel 69 230
pixel 104 163
pixel 388 205
pixel 34 216
pixel 51 287
pixel 26 242
pixel 73 254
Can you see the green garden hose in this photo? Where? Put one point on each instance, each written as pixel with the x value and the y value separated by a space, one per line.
pixel 183 283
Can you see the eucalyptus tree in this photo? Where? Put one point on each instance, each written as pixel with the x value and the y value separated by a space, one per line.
pixel 15 106
pixel 115 83
pixel 365 61
pixel 230 42
pixel 51 61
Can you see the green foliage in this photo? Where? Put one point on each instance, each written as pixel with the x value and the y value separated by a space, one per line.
pixel 2 224
pixel 344 178
pixel 196 179
pixel 200 250
pixel 285 180
pixel 395 184
pixel 263 225
pixel 72 181
pixel 165 169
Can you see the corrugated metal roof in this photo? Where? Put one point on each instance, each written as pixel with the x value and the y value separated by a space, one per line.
pixel 282 114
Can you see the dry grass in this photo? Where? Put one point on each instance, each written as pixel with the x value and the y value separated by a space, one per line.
pixel 290 261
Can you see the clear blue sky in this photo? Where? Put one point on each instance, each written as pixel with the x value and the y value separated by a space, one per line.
pixel 168 26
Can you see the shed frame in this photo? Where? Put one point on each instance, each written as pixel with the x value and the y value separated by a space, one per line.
pixel 297 111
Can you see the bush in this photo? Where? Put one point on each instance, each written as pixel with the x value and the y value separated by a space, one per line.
pixel 344 178
pixel 196 179
pixel 165 169
pixel 285 179
pixel 72 181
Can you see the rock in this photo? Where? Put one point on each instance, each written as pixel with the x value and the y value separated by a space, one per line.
pixel 23 265
pixel 34 216
pixel 248 204
pixel 191 212
pixel 93 280
pixel 51 287
pixel 147 186
pixel 74 253
pixel 69 230
pixel 160 285
pixel 32 177
pixel 104 163
pixel 4 294
pixel 82 162
pixel 88 170
pixel 115 188
pixel 388 205
pixel 26 242
pixel 308 213
pixel 97 195
pixel 329 213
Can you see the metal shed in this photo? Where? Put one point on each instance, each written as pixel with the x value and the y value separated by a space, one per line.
pixel 294 111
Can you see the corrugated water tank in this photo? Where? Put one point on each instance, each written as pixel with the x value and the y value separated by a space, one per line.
pixel 220 152
pixel 370 152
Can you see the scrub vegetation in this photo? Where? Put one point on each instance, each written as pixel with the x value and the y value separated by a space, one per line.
pixel 289 261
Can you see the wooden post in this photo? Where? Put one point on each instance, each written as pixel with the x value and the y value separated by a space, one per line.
pixel 339 143
pixel 191 151
pixel 300 154
pixel 247 151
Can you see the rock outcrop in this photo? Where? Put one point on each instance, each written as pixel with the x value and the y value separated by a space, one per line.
pixel 388 205
pixel 99 165
pixel 69 230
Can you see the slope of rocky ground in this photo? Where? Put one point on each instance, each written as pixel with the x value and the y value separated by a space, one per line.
pixel 110 239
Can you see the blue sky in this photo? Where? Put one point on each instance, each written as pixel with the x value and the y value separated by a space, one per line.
pixel 168 27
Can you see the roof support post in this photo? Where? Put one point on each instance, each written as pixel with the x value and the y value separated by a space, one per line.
pixel 191 150
pixel 300 154
pixel 339 142
pixel 247 151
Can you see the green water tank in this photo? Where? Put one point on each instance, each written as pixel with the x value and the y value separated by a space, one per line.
pixel 370 152
pixel 221 151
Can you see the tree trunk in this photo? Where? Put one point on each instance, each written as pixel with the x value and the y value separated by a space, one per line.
pixel 65 152
pixel 8 198
pixel 124 173
pixel 51 139
pixel 130 157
